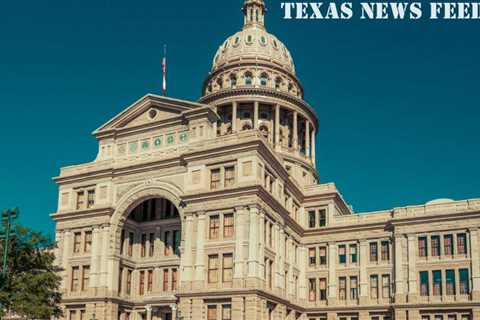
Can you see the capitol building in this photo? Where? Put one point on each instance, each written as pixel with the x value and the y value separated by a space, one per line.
pixel 214 210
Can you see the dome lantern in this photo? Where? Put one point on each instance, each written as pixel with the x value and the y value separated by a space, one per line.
pixel 254 13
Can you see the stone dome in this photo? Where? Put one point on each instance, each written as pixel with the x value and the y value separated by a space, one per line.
pixel 253 43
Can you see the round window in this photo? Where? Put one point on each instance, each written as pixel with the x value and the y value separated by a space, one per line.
pixel 152 113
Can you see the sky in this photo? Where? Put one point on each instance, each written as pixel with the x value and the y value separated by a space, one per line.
pixel 398 101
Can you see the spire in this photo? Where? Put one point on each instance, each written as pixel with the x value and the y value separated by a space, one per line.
pixel 254 13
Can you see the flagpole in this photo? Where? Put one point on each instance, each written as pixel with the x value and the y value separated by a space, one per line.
pixel 164 70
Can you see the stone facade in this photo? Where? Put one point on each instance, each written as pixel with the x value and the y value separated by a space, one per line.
pixel 213 210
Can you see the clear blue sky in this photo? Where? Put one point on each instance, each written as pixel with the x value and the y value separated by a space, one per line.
pixel 398 101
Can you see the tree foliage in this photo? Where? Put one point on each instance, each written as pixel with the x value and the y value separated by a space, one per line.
pixel 31 288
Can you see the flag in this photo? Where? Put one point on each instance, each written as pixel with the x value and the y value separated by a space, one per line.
pixel 164 70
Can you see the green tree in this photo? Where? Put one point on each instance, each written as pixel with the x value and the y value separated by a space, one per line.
pixel 31 288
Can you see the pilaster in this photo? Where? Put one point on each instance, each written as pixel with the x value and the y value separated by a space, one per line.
pixel 200 254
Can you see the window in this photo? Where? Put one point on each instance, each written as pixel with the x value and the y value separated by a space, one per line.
pixel 342 257
pixel 342 288
pixel 144 244
pixel 353 253
pixel 120 281
pixel 174 279
pixel 129 281
pixel 464 281
pixel 311 219
pixel 176 242
pixel 312 289
pixel 227 268
pixel 435 246
pixel 462 243
pixel 88 242
pixel 90 198
pixel 424 283
pixel 448 244
pixel 213 269
pixel 312 256
pixel 215 179
pixel 437 282
pixel 228 225
pixel 130 243
pixel 450 282
pixel 122 241
pixel 233 80
pixel 264 79
pixel 165 279
pixel 229 177
pixel 386 286
pixel 373 252
pixel 77 242
pixel 75 279
pixel 323 256
pixel 422 246
pixel 353 288
pixel 322 217
pixel 168 245
pixel 151 248
pixel 323 289
pixel 248 79
pixel 374 287
pixel 85 277
pixel 150 281
pixel 141 288
pixel 226 312
pixel 212 312
pixel 214 227
pixel 80 199
pixel 385 254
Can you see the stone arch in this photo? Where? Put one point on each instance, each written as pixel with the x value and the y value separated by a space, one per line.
pixel 136 196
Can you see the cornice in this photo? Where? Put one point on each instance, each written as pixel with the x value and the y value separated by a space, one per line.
pixel 88 213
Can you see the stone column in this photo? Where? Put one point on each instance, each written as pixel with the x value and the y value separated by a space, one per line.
pixel 200 254
pixel 412 276
pixel 234 116
pixel 277 127
pixel 67 251
pixel 174 311
pixel 187 274
pixel 261 246
pixel 475 258
pixel 148 310
pixel 363 256
pixel 103 256
pixel 398 276
pixel 256 105
pixel 332 275
pixel 302 261
pixel 307 139
pixel 313 149
pixel 253 243
pixel 295 131
pixel 95 257
pixel 239 239
pixel 214 125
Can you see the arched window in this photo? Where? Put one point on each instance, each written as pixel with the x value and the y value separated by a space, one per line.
pixel 246 126
pixel 256 15
pixel 248 78
pixel 290 87
pixel 220 82
pixel 264 79
pixel 278 83
pixel 264 131
pixel 233 80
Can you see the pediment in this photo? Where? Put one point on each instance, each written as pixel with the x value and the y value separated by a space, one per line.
pixel 149 109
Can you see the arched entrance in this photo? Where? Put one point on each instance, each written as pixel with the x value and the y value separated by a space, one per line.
pixel 150 255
